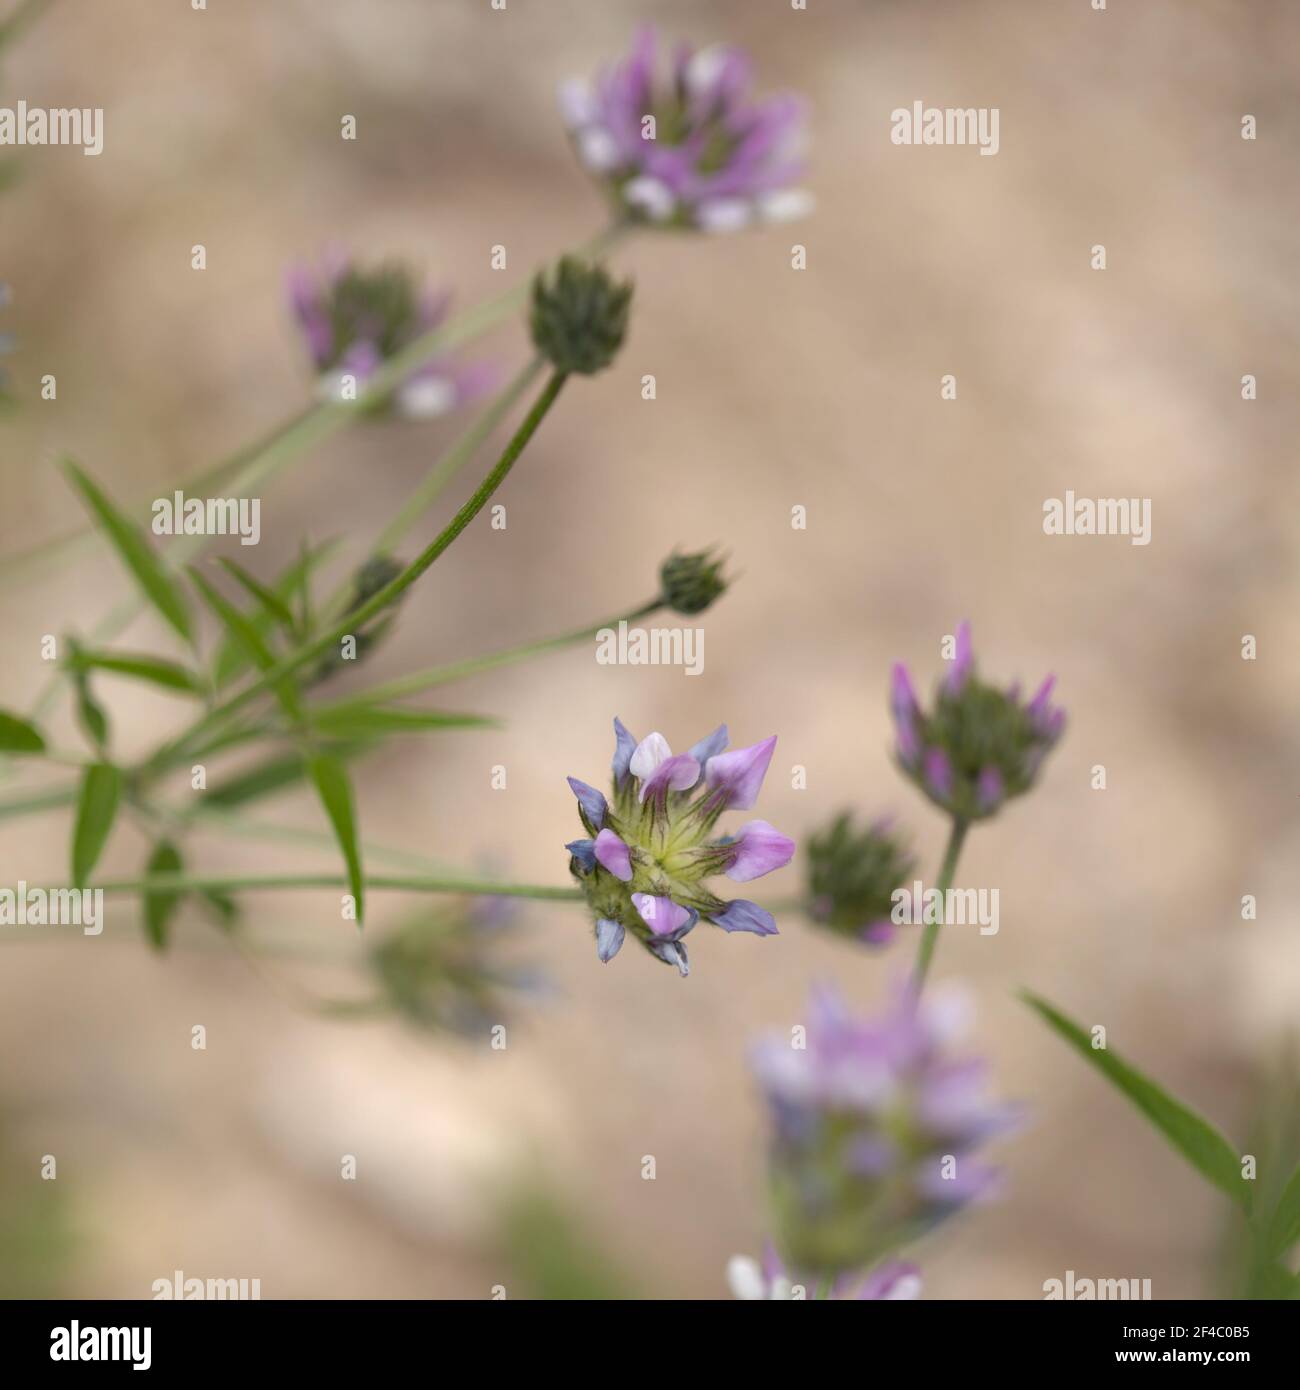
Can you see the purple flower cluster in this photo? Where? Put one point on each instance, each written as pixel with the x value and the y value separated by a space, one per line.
pixel 649 849
pixel 876 1130
pixel 354 319
pixel 690 148
pixel 750 1280
pixel 977 746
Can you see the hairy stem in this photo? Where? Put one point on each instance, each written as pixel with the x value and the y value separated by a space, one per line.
pixel 930 933
pixel 406 883
pixel 301 656
pixel 450 463
pixel 431 676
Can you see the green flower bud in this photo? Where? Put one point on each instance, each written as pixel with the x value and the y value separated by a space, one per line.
pixel 692 582
pixel 376 574
pixel 579 320
pixel 852 877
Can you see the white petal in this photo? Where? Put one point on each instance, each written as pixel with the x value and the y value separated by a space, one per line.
pixel 723 215
pixel 704 67
pixel 427 397
pixel 577 103
pixel 947 1012
pixel 598 150
pixel 652 196
pixel 906 1288
pixel 783 1289
pixel 650 752
pixel 745 1278
pixel 787 205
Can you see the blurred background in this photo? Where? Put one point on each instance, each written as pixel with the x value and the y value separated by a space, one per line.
pixel 776 388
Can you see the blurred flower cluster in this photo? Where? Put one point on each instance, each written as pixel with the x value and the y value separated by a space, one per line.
pixel 689 147
pixel 876 1129
pixel 977 746
pixel 354 318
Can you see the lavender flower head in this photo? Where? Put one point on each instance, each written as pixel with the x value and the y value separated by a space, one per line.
pixel 876 1130
pixel 852 877
pixel 354 319
pixel 650 848
pixel 750 1280
pixel 689 148
pixel 977 746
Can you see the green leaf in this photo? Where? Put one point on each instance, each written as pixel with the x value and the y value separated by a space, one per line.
pixel 90 714
pixel 331 779
pixel 160 907
pixel 18 736
pixel 245 632
pixel 1274 1282
pixel 271 775
pixel 1195 1138
pixel 231 658
pixel 272 604
pixel 1284 1228
pixel 222 906
pixel 351 721
pixel 166 596
pixel 170 675
pixel 101 785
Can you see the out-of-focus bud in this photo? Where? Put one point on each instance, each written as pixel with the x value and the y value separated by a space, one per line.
pixel 691 583
pixel 579 319
pixel 852 877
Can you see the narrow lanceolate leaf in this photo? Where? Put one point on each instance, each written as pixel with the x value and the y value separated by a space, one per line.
pixel 170 675
pixel 90 714
pixel 101 785
pixel 269 776
pixel 160 906
pixel 18 736
pixel 351 721
pixel 293 582
pixel 1195 1138
pixel 245 632
pixel 270 602
pixel 335 790
pixel 1284 1228
pixel 160 588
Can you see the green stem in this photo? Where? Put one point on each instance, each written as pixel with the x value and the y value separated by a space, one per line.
pixel 450 463
pixel 301 656
pixel 311 427
pixel 406 883
pixel 930 935
pixel 38 801
pixel 431 676
pixel 26 12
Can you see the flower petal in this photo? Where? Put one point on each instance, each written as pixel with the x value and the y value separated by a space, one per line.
pixel 710 746
pixel 591 801
pixel 624 747
pixel 740 773
pixel 760 849
pixel 650 752
pixel 662 915
pixel 671 953
pixel 963 661
pixel 745 1278
pixel 609 938
pixel 679 773
pixel 742 915
pixel 938 772
pixel 893 1281
pixel 584 851
pixel 614 855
